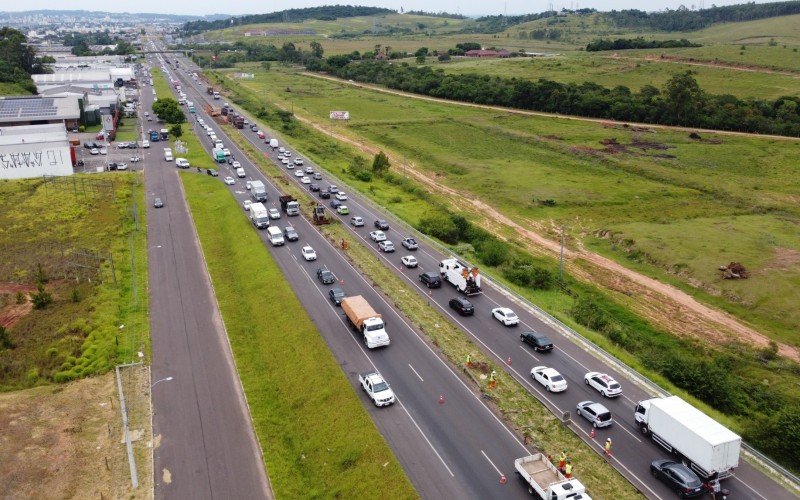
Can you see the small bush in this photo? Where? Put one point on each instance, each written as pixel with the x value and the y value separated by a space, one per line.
pixel 493 253
pixel 439 226
pixel 5 341
pixel 75 296
pixel 42 298
pixel 529 276
pixel 21 299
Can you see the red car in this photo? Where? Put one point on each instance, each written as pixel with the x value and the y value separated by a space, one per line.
pixel 261 134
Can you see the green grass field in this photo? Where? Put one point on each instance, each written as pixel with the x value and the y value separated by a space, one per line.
pixel 80 333
pixel 318 443
pixel 603 69
pixel 9 89
pixel 658 180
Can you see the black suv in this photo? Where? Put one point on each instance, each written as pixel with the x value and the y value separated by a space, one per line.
pixel 462 306
pixel 325 276
pixel 431 279
pixel 212 172
pixel 382 225
pixel 325 194
pixel 538 341
pixel 313 187
pixel 336 295
pixel 291 234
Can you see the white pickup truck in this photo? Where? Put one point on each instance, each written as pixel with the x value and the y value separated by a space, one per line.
pixel 544 481
pixel 376 388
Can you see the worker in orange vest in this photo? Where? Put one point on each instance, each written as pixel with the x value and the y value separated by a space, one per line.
pixel 562 460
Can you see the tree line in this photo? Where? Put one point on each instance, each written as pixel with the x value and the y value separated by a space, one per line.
pixel 18 61
pixel 637 43
pixel 680 101
pixel 80 43
pixel 324 13
pixel 684 19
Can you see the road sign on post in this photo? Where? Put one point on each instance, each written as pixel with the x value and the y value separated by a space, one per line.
pixel 340 115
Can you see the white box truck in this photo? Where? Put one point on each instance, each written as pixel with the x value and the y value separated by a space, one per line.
pixel 258 191
pixel 168 154
pixel 543 479
pixel 701 442
pixel 273 143
pixel 363 318
pixel 466 279
pixel 275 234
pixel 259 215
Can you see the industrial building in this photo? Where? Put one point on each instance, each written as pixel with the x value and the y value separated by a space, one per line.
pixel 37 110
pixel 34 151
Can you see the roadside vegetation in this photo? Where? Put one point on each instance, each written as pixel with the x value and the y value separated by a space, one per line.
pixel 611 319
pixel 531 419
pixel 316 443
pixel 73 279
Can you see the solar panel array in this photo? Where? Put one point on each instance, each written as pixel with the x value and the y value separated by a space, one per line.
pixel 27 108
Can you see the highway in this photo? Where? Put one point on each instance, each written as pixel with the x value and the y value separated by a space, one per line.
pixel 204 445
pixel 458 449
pixel 632 451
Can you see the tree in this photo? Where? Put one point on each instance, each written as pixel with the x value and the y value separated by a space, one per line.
pixel 169 109
pixel 316 49
pixel 359 169
pixel 266 65
pixel 684 97
pixel 420 59
pixel 422 51
pixel 444 57
pixel 176 130
pixel 380 164
pixel 5 341
pixel 41 298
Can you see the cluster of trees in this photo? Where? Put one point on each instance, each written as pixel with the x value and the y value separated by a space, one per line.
pixel 324 13
pixel 169 110
pixel 684 19
pixel 227 57
pixel 496 24
pixel 434 14
pixel 540 34
pixel 680 101
pixel 80 43
pixel 18 61
pixel 637 43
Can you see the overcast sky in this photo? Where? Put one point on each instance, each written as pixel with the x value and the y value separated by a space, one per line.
pixel 466 7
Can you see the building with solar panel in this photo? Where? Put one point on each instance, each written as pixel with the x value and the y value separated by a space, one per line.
pixel 34 150
pixel 38 110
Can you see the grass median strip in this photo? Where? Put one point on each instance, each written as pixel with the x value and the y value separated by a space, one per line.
pixel 318 439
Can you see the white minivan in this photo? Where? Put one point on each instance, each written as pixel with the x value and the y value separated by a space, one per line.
pixel 240 173
pixel 275 236
pixel 168 154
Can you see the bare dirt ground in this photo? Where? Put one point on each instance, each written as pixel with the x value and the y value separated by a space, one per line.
pixel 665 305
pixel 12 312
pixel 64 441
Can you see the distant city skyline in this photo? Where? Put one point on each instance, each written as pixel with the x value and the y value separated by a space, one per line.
pixel 465 7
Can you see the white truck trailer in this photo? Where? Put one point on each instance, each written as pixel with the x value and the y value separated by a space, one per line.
pixel 466 279
pixel 544 481
pixel 701 442
pixel 259 215
pixel 258 191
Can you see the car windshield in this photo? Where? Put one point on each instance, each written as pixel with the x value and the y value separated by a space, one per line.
pixel 262 218
pixel 380 386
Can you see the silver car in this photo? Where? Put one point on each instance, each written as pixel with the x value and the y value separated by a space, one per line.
pixel 597 414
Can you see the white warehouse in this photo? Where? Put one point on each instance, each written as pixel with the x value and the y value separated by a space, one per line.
pixel 34 150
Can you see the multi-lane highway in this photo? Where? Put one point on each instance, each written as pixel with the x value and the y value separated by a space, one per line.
pixel 632 451
pixel 204 446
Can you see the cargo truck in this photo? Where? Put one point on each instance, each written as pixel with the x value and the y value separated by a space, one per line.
pixel 164 134
pixel 257 191
pixel 154 136
pixel 238 122
pixel 209 90
pixel 466 279
pixel 219 155
pixel 290 205
pixel 544 481
pixel 259 215
pixel 363 319
pixel 699 441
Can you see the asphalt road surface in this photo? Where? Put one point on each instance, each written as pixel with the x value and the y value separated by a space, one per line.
pixel 632 451
pixel 204 445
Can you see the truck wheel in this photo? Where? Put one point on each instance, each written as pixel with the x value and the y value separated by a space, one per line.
pixel 644 429
pixel 365 341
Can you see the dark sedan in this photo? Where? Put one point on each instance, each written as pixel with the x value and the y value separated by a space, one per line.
pixel 462 306
pixel 681 479
pixel 325 276
pixel 431 279
pixel 382 225
pixel 539 341
pixel 336 295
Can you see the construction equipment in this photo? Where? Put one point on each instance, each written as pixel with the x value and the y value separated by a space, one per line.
pixel 319 216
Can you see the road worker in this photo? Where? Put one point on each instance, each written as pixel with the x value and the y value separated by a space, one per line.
pixel 562 460
pixel 568 469
pixel 607 447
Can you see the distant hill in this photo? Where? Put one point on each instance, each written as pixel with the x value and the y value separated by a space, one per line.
pixel 113 15
pixel 324 13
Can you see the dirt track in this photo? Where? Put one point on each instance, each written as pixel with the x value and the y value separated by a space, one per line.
pixel 662 303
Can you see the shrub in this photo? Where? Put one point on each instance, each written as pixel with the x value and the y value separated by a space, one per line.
pixel 21 299
pixel 493 252
pixel 587 313
pixel 529 276
pixel 75 296
pixel 5 341
pixel 42 298
pixel 439 226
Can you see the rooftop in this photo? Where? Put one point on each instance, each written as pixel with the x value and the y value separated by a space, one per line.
pixel 32 134
pixel 33 108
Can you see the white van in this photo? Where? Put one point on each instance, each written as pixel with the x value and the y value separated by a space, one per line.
pixel 240 173
pixel 218 144
pixel 275 236
pixel 168 154
pixel 273 143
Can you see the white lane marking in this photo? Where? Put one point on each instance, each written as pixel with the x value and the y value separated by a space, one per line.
pixel 491 463
pixel 415 373
pixel 528 352
pixel 369 360
pixel 749 488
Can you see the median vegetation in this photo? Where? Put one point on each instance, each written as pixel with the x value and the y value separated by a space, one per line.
pixel 317 437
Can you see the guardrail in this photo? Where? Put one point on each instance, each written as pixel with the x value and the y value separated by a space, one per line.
pixel 788 477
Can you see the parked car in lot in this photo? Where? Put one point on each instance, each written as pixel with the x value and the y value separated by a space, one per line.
pixel 539 341
pixel 549 378
pixel 680 478
pixel 382 225
pixel 308 253
pixel 94 151
pixel 336 295
pixel 325 276
pixel 505 316
pixel 409 261
pixel 597 414
pixel 431 279
pixel 356 221
pixel 377 236
pixel 462 306
pixel 386 246
pixel 410 243
pixel 229 181
pixel 603 383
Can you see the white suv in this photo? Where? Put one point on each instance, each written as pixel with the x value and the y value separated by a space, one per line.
pixel 604 384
